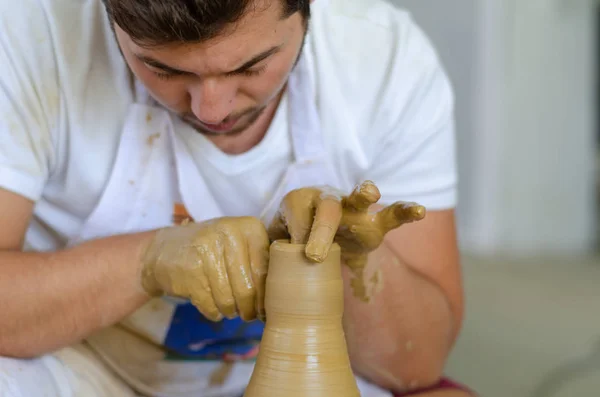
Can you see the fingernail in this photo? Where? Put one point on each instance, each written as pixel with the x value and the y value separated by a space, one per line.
pixel 215 318
pixel 318 244
pixel 315 251
pixel 419 212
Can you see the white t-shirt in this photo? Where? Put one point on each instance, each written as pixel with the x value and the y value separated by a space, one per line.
pixel 385 106
pixel 384 102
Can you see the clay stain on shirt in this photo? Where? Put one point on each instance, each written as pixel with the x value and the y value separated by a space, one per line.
pixel 152 138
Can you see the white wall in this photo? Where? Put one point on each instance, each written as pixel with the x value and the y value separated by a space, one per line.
pixel 452 26
pixel 549 144
pixel 523 74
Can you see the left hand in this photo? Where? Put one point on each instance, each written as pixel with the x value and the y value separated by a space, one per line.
pixel 318 216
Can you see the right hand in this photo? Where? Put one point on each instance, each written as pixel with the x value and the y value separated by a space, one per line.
pixel 219 265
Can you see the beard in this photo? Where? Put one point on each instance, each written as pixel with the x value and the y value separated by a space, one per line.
pixel 241 122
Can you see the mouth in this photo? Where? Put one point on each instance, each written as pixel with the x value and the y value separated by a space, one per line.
pixel 219 128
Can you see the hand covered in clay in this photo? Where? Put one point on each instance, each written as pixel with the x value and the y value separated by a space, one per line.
pixel 318 216
pixel 219 265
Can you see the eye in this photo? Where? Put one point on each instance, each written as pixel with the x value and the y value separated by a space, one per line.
pixel 253 72
pixel 164 75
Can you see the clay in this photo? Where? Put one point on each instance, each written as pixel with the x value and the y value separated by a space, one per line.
pixel 305 214
pixel 303 351
pixel 319 216
pixel 150 140
pixel 377 282
pixel 219 265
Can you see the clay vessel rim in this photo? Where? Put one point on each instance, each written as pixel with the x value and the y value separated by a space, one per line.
pixel 285 245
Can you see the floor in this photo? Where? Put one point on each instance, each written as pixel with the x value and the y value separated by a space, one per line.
pixel 532 328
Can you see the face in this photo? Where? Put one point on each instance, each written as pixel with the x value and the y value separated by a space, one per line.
pixel 222 86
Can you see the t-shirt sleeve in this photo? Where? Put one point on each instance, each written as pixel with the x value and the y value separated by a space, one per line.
pixel 29 100
pixel 416 159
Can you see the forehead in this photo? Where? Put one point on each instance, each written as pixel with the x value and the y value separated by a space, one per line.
pixel 261 27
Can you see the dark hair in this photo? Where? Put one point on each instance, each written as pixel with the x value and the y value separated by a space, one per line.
pixel 156 22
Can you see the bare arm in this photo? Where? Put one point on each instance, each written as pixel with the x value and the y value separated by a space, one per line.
pixel 405 259
pixel 402 337
pixel 50 300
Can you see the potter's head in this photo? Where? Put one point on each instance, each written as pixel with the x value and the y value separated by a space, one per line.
pixel 217 63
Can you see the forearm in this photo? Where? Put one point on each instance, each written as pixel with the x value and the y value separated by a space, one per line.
pixel 50 300
pixel 401 338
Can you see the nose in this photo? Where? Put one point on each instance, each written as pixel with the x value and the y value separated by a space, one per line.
pixel 213 99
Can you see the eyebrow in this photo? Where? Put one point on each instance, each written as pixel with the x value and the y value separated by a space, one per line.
pixel 247 65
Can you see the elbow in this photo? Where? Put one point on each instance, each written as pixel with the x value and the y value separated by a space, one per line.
pixel 21 346
pixel 402 374
pixel 15 353
pixel 420 374
pixel 19 352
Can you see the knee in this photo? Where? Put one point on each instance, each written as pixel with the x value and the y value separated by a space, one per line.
pixel 21 377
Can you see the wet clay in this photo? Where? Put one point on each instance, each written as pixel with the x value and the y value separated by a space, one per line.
pixel 309 216
pixel 318 216
pixel 363 230
pixel 219 265
pixel 303 351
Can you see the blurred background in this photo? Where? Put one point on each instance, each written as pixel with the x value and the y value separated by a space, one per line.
pixel 526 79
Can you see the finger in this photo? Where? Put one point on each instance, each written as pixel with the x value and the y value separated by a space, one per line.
pixel 363 196
pixel 199 288
pixel 258 251
pixel 298 212
pixel 324 228
pixel 237 263
pixel 398 214
pixel 208 309
pixel 216 271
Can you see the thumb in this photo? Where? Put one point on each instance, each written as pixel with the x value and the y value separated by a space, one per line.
pixel 398 214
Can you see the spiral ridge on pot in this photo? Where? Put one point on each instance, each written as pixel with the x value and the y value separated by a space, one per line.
pixel 303 351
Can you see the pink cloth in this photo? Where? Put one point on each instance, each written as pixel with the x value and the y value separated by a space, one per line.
pixel 444 384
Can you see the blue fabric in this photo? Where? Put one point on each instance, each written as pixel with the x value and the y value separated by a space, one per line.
pixel 192 335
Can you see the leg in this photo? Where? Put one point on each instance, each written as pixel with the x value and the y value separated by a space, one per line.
pixel 73 371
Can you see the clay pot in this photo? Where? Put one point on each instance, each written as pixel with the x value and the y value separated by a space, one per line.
pixel 303 351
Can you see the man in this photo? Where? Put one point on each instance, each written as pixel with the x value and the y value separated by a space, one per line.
pixel 153 149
